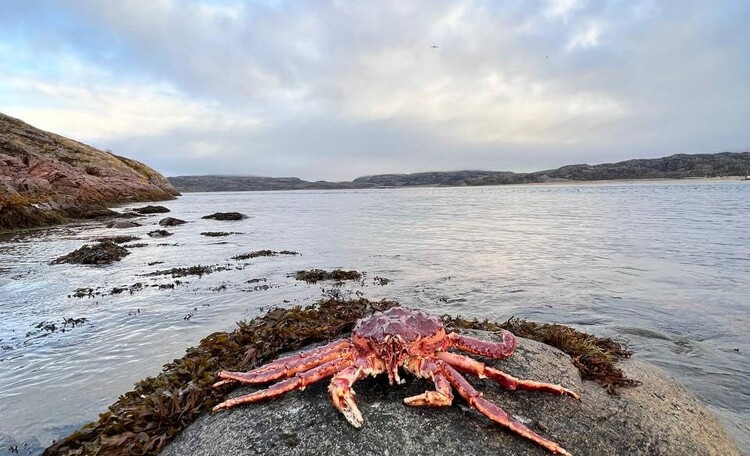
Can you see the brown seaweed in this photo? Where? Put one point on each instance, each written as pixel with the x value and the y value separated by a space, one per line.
pixel 263 253
pixel 594 357
pixel 317 275
pixel 104 252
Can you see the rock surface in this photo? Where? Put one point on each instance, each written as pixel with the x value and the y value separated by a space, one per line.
pixel 123 224
pixel 151 210
pixel 46 178
pixel 171 221
pixel 661 417
pixel 225 216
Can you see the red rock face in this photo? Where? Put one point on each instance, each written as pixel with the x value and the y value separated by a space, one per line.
pixel 58 174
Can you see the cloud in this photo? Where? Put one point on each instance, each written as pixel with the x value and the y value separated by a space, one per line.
pixel 330 89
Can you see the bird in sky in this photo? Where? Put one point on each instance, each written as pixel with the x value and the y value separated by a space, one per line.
pixel 434 46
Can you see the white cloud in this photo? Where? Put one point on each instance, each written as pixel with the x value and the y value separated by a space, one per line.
pixel 586 36
pixel 562 9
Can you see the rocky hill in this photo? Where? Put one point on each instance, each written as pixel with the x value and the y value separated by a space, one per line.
pixel 250 183
pixel 679 166
pixel 46 178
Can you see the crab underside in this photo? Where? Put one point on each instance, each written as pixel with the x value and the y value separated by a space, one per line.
pixel 383 343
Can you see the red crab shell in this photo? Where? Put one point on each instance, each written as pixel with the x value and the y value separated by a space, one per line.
pixel 398 333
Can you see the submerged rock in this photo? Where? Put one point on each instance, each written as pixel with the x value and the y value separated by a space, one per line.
pixel 227 216
pixel 661 417
pixel 159 233
pixel 104 252
pixel 171 221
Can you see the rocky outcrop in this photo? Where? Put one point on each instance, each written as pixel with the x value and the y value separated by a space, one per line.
pixel 46 178
pixel 660 417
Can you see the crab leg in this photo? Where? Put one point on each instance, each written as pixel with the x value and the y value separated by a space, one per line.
pixel 495 413
pixel 341 392
pixel 283 370
pixel 299 381
pixel 307 359
pixel 495 350
pixel 474 367
pixel 428 368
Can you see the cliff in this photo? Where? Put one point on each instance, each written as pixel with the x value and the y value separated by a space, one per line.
pixel 678 166
pixel 46 178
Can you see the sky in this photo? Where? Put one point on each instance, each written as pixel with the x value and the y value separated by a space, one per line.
pixel 339 89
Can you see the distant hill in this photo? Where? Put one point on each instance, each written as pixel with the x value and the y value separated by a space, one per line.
pixel 250 183
pixel 678 166
pixel 46 178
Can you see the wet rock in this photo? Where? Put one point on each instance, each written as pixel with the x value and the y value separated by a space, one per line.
pixel 661 417
pixel 171 221
pixel 102 253
pixel 317 275
pixel 227 216
pixel 151 210
pixel 159 233
pixel 95 214
pixel 123 224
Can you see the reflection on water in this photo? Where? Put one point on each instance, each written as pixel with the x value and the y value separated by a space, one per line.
pixel 662 267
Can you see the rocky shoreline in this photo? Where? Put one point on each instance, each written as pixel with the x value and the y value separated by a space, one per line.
pixel 47 179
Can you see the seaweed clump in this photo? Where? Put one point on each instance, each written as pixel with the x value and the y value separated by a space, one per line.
pixel 317 275
pixel 119 239
pixel 144 420
pixel 218 233
pixel 263 253
pixel 104 252
pixel 199 270
pixel 595 357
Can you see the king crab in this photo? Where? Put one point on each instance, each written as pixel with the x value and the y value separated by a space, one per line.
pixel 385 342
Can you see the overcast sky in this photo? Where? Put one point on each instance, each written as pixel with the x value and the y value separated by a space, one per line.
pixel 338 89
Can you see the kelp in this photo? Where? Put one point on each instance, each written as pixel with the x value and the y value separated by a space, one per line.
pixel 594 357
pixel 198 270
pixel 263 253
pixel 144 420
pixel 317 275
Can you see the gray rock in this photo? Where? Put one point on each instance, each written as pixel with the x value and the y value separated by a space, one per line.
pixel 661 417
pixel 171 221
pixel 123 224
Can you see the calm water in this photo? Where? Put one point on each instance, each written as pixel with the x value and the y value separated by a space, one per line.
pixel 664 268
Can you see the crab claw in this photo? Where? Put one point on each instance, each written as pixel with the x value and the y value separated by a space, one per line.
pixel 342 397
